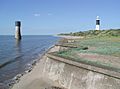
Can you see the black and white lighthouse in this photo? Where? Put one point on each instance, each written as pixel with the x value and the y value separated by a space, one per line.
pixel 97 23
pixel 17 30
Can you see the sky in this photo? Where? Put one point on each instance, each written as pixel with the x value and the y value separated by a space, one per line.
pixel 48 17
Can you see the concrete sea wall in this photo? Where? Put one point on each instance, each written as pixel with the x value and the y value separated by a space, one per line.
pixel 52 72
pixel 72 77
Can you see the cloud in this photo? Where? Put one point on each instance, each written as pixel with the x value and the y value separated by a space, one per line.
pixel 49 14
pixel 36 14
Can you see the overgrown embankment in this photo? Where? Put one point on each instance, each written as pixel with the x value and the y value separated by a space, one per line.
pixel 84 63
pixel 96 50
pixel 110 32
pixel 92 62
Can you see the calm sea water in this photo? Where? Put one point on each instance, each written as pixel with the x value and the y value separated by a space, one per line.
pixel 16 55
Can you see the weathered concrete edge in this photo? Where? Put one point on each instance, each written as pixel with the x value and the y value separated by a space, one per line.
pixel 85 66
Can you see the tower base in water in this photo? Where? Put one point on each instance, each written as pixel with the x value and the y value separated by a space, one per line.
pixel 17 30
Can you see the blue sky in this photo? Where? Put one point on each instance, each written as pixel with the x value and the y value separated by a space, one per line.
pixel 44 17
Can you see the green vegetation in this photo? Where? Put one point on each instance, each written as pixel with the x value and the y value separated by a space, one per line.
pixel 105 42
pixel 102 45
pixel 111 32
pixel 72 56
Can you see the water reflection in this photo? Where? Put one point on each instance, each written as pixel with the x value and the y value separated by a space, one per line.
pixel 19 60
pixel 18 47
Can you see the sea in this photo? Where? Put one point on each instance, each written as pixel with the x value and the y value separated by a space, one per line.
pixel 17 56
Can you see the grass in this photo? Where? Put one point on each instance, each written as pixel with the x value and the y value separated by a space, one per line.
pixel 102 45
pixel 71 56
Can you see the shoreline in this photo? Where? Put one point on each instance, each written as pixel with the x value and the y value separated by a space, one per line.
pixel 29 66
pixel 18 78
pixel 54 74
pixel 23 57
pixel 21 81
